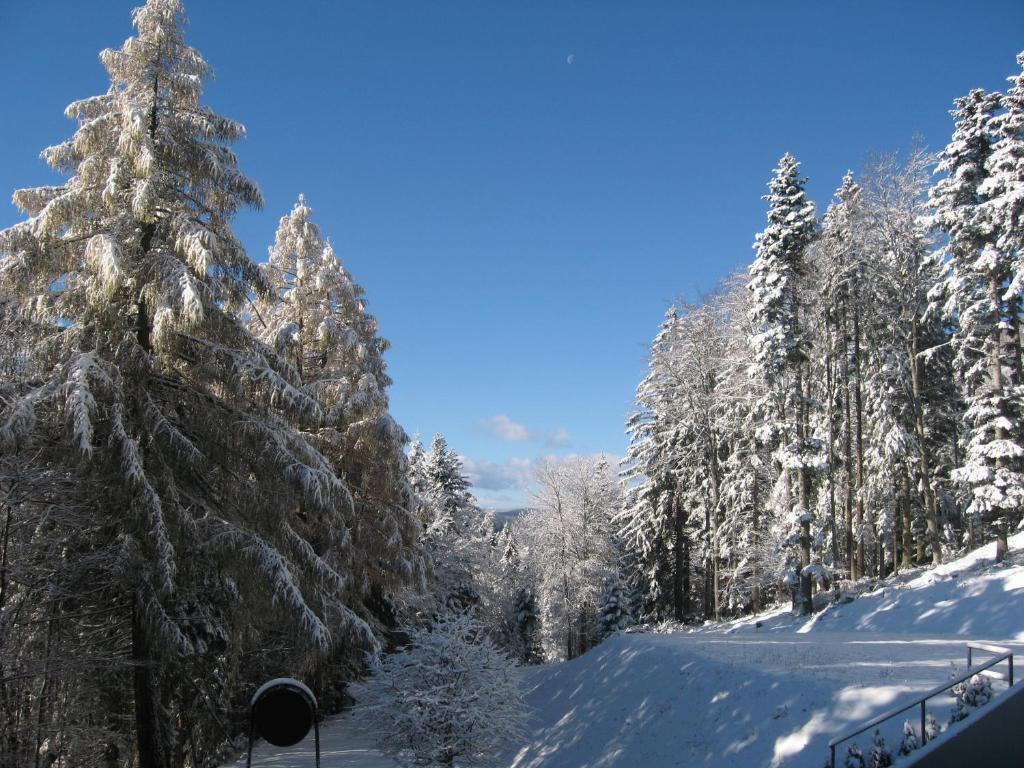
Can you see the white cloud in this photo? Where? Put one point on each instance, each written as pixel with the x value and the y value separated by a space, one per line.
pixel 514 474
pixel 503 428
pixel 557 438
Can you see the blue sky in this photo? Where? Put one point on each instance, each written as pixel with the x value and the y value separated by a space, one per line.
pixel 519 222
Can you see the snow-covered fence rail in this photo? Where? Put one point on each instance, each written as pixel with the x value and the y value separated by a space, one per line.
pixel 1000 655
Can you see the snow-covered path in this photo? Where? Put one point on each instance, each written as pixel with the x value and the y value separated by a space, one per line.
pixel 341 746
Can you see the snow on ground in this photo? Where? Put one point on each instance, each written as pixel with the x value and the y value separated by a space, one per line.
pixel 341 746
pixel 735 694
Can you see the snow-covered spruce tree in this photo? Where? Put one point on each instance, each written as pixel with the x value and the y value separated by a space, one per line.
pixel 175 422
pixel 614 613
pixel 449 697
pixel 979 295
pixel 316 319
pixel 782 348
pixel 1001 190
pixel 751 571
pixel 457 534
pixel 526 620
pixel 650 523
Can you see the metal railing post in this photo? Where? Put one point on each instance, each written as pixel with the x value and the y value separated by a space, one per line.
pixel 924 733
pixel 832 762
pixel 969 649
pixel 1010 676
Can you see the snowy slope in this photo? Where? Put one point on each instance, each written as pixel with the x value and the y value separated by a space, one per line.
pixel 739 695
pixel 735 694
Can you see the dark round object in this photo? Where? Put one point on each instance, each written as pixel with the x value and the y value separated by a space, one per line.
pixel 283 714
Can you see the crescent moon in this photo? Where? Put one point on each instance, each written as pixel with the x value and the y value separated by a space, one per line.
pixel 571 58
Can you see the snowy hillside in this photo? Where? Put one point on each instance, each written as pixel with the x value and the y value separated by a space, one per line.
pixel 736 694
pixel 739 695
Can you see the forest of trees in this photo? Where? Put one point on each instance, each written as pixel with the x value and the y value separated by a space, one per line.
pixel 202 487
pixel 852 405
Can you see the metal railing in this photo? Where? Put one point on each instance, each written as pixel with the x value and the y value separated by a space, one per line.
pixel 1001 654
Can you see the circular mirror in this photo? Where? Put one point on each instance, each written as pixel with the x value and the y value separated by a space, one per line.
pixel 283 711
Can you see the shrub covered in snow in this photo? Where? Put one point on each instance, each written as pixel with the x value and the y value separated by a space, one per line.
pixel 854 757
pixel 450 694
pixel 879 757
pixel 970 694
pixel 910 739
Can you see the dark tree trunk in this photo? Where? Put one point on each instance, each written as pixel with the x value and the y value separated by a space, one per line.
pixel 147 732
pixel 681 577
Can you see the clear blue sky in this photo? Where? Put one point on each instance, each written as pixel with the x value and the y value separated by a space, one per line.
pixel 521 222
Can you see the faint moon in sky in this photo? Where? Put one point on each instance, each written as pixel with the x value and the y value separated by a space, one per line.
pixel 570 59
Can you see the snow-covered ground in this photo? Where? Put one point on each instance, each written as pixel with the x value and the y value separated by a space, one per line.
pixel 736 694
pixel 341 746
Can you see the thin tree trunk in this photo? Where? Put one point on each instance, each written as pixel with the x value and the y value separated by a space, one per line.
pixel 755 519
pixel 999 389
pixel 680 581
pixel 908 535
pixel 931 505
pixel 859 406
pixel 803 490
pixel 848 453
pixel 831 417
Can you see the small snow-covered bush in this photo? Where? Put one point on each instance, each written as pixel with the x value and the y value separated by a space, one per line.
pixel 970 694
pixel 449 694
pixel 880 757
pixel 854 757
pixel 910 740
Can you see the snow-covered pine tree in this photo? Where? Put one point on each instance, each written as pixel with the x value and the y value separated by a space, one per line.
pixel 614 613
pixel 175 422
pixel 457 534
pixel 651 524
pixel 526 620
pixel 450 696
pixel 978 295
pixel 747 471
pixel 316 319
pixel 782 349
pixel 1002 189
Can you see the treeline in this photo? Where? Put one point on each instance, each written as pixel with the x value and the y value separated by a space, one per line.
pixel 852 405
